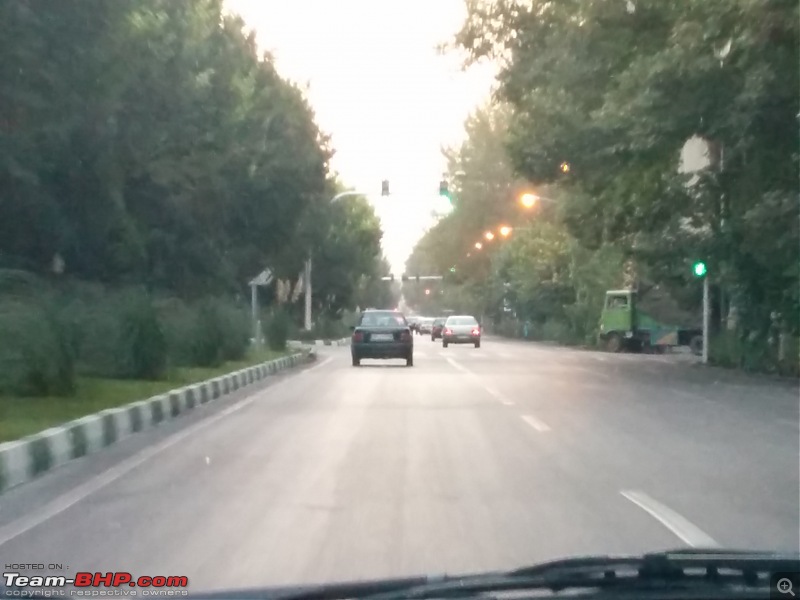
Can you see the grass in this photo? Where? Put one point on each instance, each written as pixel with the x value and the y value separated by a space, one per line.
pixel 23 416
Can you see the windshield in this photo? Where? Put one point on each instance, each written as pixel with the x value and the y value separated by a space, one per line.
pixel 214 215
pixel 382 319
pixel 462 321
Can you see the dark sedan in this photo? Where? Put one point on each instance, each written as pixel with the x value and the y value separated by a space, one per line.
pixel 436 329
pixel 382 334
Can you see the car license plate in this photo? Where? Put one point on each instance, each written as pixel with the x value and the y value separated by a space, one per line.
pixel 381 337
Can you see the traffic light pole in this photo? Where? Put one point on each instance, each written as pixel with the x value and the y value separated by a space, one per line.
pixel 706 319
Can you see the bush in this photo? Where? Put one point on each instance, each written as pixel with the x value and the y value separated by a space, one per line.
pixel 554 330
pixel 207 335
pixel 36 352
pixel 236 327
pixel 141 346
pixel 277 331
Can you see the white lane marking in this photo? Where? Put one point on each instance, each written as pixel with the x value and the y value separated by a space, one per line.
pixel 505 355
pixel 455 365
pixel 680 526
pixel 499 396
pixel 63 502
pixel 535 423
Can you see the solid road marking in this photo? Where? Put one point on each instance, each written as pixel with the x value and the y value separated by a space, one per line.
pixel 680 526
pixel 535 423
pixel 61 503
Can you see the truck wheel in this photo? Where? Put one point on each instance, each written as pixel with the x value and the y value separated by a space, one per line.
pixel 696 345
pixel 613 342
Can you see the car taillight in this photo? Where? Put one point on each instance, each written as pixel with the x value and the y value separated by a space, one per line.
pixel 358 336
pixel 476 331
pixel 448 332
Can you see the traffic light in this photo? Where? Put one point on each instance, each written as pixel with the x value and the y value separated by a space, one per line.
pixel 452 269
pixel 385 187
pixel 443 188
pixel 699 269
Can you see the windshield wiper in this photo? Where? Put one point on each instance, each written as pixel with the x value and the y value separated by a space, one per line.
pixel 675 574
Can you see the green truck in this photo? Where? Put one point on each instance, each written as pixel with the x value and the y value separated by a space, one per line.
pixel 627 323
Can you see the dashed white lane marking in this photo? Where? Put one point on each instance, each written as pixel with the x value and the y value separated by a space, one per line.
pixel 499 396
pixel 680 526
pixel 535 423
pixel 458 366
pixel 61 503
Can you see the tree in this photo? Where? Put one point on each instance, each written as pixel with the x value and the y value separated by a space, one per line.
pixel 148 142
pixel 615 89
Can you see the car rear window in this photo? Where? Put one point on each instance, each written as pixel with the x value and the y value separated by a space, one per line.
pixel 382 319
pixel 462 321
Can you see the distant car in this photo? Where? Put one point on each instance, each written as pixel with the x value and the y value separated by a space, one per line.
pixel 382 334
pixel 461 329
pixel 436 328
pixel 426 325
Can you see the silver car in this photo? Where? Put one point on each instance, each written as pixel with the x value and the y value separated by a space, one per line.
pixel 461 329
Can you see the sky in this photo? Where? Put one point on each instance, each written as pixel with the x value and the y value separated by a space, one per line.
pixel 377 85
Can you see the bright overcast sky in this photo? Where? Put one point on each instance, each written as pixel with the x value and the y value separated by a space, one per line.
pixel 380 90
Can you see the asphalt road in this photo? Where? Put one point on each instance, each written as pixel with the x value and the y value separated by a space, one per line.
pixel 473 459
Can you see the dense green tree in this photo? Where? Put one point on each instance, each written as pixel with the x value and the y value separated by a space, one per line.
pixel 615 89
pixel 148 142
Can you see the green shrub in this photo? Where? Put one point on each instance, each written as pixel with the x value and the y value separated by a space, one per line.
pixel 179 322
pixel 554 330
pixel 277 331
pixel 36 352
pixel 207 335
pixel 236 328
pixel 142 345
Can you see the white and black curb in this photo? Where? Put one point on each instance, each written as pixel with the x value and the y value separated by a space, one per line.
pixel 29 457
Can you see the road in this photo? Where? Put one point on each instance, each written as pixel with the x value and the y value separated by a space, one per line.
pixel 473 459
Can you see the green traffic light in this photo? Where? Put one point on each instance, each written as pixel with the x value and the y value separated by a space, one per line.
pixel 452 269
pixel 699 269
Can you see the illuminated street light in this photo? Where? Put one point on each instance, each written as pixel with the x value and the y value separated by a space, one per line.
pixel 489 236
pixel 427 292
pixel 505 231
pixel 528 200
pixel 478 245
pixel 565 167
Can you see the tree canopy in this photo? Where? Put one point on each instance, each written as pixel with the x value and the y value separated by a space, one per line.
pixel 149 142
pixel 615 89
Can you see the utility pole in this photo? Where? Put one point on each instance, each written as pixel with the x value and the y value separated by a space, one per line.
pixel 706 319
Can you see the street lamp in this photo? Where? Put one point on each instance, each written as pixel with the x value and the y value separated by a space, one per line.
pixel 489 236
pixel 478 245
pixel 528 200
pixel 307 273
pixel 505 231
